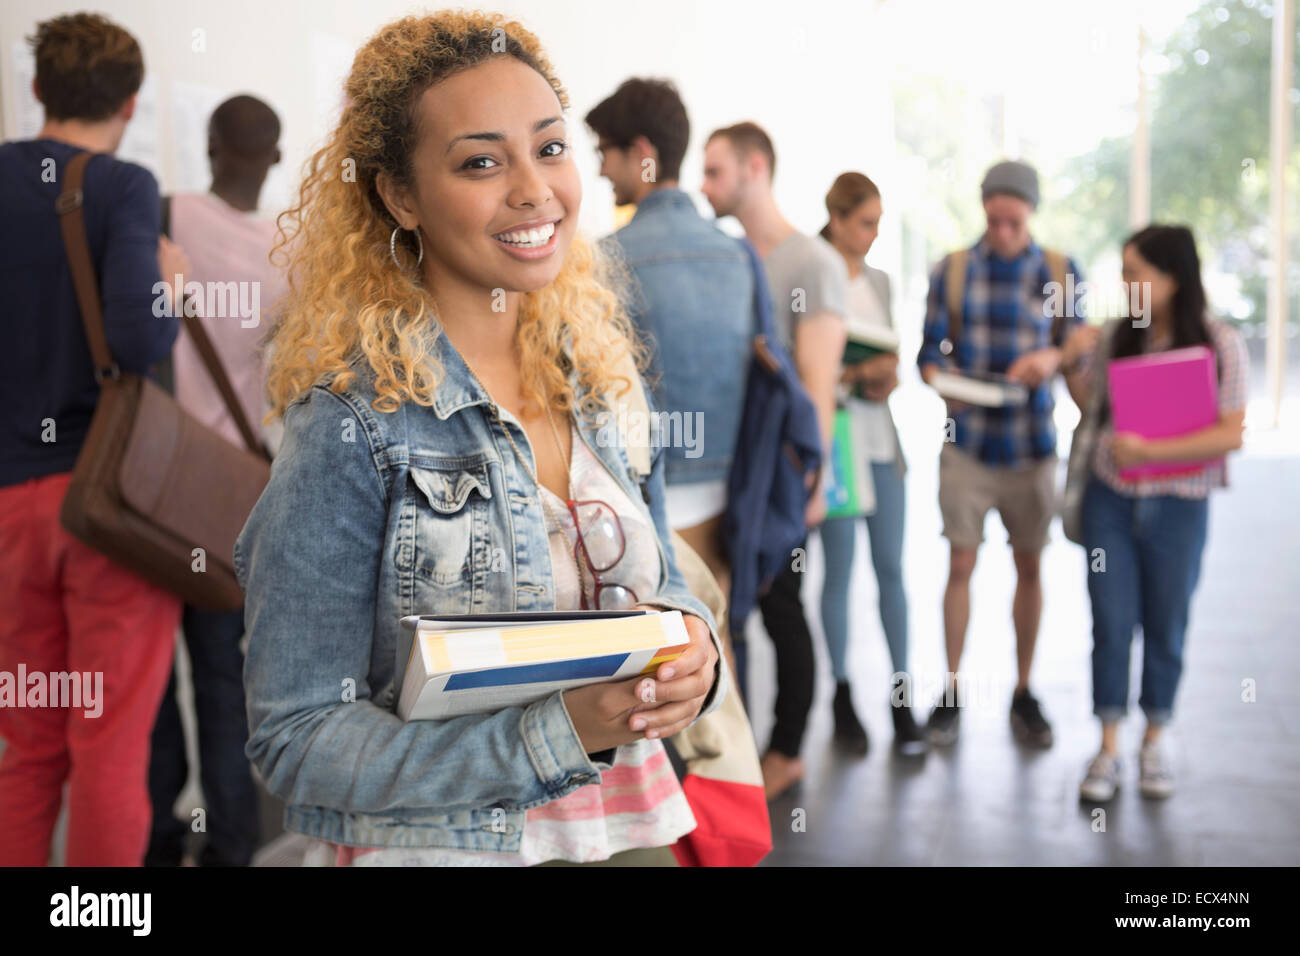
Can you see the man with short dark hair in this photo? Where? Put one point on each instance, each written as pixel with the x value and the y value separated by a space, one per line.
pixel 998 457
pixel 694 304
pixel 69 609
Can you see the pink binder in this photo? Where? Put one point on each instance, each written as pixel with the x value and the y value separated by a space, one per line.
pixel 1161 395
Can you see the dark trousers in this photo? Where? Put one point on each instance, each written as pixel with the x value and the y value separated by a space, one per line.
pixel 786 625
pixel 230 816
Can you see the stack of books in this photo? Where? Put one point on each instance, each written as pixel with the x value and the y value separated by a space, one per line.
pixel 476 663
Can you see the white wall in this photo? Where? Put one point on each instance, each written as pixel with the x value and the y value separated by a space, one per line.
pixel 816 75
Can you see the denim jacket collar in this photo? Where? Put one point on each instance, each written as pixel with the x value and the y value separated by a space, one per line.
pixel 668 197
pixel 457 387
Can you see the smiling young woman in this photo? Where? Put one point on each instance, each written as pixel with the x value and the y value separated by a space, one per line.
pixel 445 347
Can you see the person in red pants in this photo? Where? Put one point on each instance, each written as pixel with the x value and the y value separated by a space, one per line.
pixel 71 610
pixel 73 624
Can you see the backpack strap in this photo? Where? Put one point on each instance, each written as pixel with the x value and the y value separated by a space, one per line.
pixel 1057 266
pixel 954 284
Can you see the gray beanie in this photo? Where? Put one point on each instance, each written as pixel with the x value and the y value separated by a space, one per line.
pixel 1010 176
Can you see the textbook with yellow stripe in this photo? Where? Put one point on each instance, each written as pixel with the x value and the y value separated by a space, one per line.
pixel 477 663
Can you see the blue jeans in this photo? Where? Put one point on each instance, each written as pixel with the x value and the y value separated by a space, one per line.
pixel 231 809
pixel 885 534
pixel 1151 549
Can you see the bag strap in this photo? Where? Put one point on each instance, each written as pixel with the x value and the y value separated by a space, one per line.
pixel 164 369
pixel 765 331
pixel 218 372
pixel 70 207
pixel 762 294
pixel 1057 266
pixel 954 284
pixel 1101 358
pixel 72 222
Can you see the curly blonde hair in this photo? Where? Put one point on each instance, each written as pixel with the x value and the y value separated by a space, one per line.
pixel 348 298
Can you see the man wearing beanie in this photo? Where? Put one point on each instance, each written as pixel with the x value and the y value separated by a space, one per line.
pixel 987 314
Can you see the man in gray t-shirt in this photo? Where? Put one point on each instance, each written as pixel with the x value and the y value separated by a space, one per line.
pixel 809 283
pixel 807 278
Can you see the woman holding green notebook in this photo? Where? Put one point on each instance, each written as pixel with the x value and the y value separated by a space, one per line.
pixel 854 206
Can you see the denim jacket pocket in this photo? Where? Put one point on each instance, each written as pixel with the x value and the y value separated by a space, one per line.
pixel 449 527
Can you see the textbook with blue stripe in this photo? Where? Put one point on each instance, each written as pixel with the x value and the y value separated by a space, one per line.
pixel 452 665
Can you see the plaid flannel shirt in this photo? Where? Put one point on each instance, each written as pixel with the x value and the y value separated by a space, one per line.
pixel 1005 315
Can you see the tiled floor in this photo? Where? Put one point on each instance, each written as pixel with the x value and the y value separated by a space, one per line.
pixel 986 800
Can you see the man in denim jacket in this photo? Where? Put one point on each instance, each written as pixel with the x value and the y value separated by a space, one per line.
pixel 370 517
pixel 693 301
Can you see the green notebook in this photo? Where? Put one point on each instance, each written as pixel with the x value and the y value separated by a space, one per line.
pixel 865 343
pixel 847 493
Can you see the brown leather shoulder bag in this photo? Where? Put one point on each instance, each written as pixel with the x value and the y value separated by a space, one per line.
pixel 153 488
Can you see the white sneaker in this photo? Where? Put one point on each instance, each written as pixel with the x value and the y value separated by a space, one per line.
pixel 1102 779
pixel 1156 778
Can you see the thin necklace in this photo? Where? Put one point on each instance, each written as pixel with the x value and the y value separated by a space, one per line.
pixel 568 478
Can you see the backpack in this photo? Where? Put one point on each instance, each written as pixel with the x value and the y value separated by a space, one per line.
pixel 955 286
pixel 778 454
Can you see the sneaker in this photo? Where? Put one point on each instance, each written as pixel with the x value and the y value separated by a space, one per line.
pixel 1102 779
pixel 1155 778
pixel 849 731
pixel 944 722
pixel 1027 722
pixel 908 739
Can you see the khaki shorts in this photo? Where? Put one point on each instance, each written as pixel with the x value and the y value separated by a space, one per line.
pixel 1025 498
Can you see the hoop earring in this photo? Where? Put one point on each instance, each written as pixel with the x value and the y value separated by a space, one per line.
pixel 392 246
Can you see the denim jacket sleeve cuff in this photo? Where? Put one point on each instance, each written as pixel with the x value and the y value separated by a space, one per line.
pixel 554 748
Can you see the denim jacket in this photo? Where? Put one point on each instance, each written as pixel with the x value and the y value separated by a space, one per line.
pixel 372 516
pixel 695 301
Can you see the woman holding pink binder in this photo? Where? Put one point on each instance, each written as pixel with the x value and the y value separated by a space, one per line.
pixel 1164 397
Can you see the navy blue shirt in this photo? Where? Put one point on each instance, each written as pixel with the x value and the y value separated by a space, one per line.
pixel 48 373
